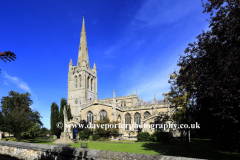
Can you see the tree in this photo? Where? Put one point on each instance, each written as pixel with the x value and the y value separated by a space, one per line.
pixel 69 115
pixel 61 117
pixel 7 55
pixel 17 114
pixel 54 119
pixel 180 98
pixel 111 131
pixel 212 63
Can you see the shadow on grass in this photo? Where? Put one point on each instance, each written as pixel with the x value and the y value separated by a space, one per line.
pixel 40 140
pixel 204 149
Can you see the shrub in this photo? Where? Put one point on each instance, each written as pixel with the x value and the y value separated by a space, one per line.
pixel 12 139
pixel 82 135
pixel 91 138
pixel 143 136
pixel 102 139
pixel 153 137
pixel 163 136
pixel 95 137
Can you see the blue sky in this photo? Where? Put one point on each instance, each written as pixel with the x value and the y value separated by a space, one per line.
pixel 135 44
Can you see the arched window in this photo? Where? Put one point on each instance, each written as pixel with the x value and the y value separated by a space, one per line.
pixel 91 84
pixel 137 120
pixel 80 80
pixel 90 117
pixel 127 121
pixel 124 103
pixel 103 113
pixel 146 114
pixel 88 83
pixel 76 81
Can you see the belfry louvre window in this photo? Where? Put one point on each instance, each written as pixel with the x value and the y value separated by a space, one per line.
pixel 91 84
pixel 137 120
pixel 103 113
pixel 80 80
pixel 127 121
pixel 88 83
pixel 90 118
pixel 76 82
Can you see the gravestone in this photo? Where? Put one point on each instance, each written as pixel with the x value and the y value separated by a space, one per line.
pixel 0 135
pixel 54 137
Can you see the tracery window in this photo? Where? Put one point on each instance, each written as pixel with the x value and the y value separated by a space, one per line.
pixel 80 80
pixel 91 84
pixel 90 118
pixel 103 113
pixel 127 121
pixel 76 81
pixel 137 120
pixel 88 83
pixel 146 114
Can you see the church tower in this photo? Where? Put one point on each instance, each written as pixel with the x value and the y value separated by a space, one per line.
pixel 82 80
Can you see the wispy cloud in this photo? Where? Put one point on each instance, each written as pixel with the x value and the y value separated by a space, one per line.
pixel 147 80
pixel 72 16
pixel 19 83
pixel 154 12
pixel 95 21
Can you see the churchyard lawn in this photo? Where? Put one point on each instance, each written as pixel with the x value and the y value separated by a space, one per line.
pixel 199 148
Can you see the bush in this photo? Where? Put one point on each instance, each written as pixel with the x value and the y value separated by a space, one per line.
pixel 91 138
pixel 85 134
pixel 82 135
pixel 143 136
pixel 102 139
pixel 163 136
pixel 153 137
pixel 95 137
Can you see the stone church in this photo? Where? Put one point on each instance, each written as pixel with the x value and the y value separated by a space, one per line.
pixel 84 102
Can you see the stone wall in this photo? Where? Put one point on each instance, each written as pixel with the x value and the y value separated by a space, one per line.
pixel 32 151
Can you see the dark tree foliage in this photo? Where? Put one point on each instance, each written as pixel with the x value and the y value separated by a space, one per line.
pixel 61 117
pixel 7 55
pixel 212 65
pixel 54 119
pixel 17 115
pixel 69 112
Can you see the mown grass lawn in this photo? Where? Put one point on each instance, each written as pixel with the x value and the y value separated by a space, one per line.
pixel 199 148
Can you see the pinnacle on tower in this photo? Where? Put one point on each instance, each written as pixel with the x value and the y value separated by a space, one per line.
pixel 70 63
pixel 94 66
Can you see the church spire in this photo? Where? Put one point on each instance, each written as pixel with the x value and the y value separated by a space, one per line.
pixel 83 50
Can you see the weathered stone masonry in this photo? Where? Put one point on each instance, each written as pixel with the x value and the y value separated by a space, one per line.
pixel 33 151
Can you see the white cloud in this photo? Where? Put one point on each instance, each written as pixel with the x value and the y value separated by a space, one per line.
pixel 19 83
pixel 155 12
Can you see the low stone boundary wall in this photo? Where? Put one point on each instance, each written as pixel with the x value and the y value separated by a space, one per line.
pixel 33 151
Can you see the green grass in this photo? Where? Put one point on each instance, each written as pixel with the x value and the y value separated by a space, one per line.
pixel 198 149
pixel 42 140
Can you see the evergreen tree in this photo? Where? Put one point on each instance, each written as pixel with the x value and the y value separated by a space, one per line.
pixel 54 119
pixel 69 114
pixel 61 116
